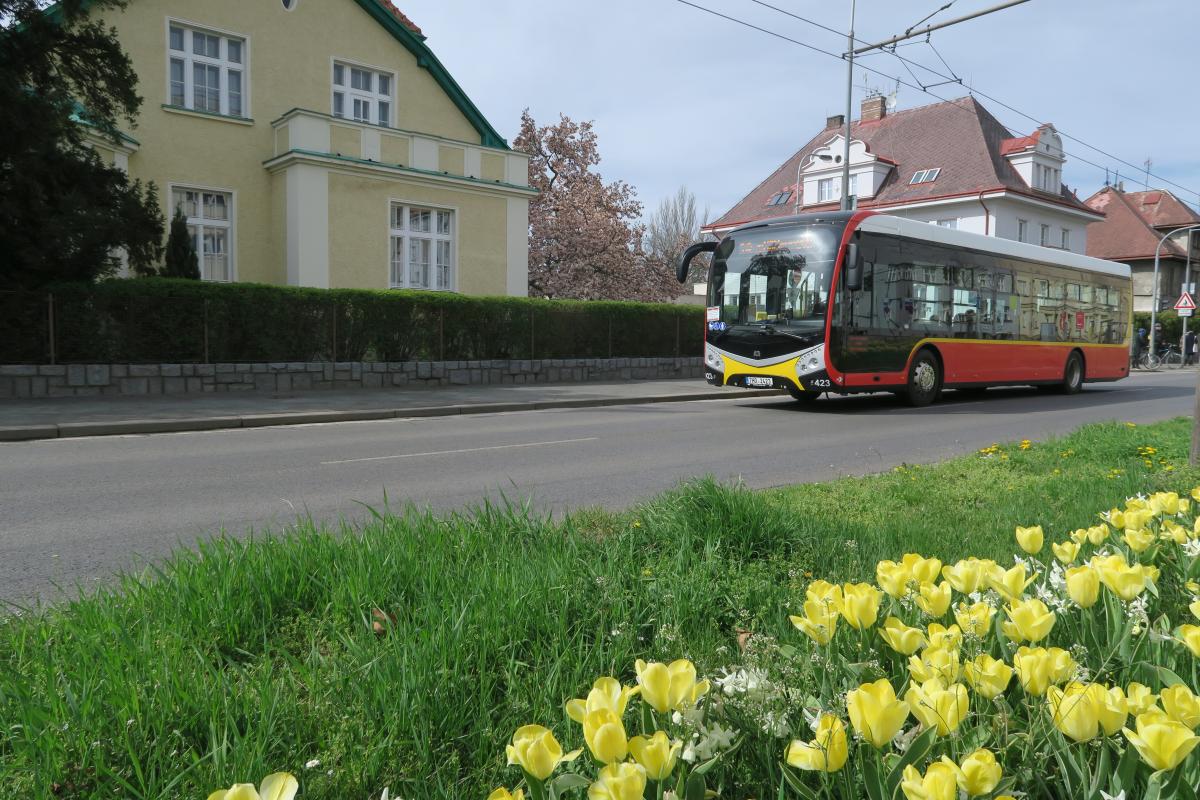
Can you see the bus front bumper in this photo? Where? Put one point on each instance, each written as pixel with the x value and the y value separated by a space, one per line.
pixel 812 382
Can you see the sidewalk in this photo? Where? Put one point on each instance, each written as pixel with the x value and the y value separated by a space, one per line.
pixel 60 417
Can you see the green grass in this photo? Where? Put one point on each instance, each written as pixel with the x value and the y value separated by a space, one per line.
pixel 246 657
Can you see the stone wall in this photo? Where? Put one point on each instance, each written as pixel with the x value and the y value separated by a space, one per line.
pixel 82 380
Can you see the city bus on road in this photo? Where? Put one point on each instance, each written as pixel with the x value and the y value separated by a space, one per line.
pixel 848 302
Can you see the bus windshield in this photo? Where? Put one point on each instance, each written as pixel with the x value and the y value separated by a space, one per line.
pixel 774 277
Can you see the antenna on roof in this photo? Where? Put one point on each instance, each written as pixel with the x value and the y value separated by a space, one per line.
pixel 1106 176
pixel 1149 162
pixel 891 98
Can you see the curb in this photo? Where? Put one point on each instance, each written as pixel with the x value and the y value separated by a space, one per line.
pixel 70 430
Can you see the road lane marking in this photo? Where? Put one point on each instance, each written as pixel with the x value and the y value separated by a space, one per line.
pixel 464 450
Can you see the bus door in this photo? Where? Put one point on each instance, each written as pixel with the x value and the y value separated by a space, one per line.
pixel 876 327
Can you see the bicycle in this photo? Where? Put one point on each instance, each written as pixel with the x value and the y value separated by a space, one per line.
pixel 1147 361
pixel 1171 356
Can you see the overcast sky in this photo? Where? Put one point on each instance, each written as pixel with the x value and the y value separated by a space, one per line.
pixel 681 97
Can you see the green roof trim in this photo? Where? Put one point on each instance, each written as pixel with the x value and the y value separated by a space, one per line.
pixel 425 58
pixel 296 151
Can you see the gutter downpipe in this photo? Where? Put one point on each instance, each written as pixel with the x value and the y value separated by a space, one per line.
pixel 987 215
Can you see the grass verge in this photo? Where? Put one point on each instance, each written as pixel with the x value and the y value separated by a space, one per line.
pixel 246 657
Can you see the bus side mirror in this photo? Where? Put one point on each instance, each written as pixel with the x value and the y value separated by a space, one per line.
pixel 685 260
pixel 853 268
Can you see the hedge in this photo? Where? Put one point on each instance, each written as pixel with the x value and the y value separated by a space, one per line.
pixel 166 320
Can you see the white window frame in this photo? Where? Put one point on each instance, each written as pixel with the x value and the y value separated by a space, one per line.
pixel 1022 229
pixel 1045 235
pixel 925 176
pixel 202 222
pixel 222 63
pixel 1066 238
pixel 951 223
pixel 825 191
pixel 406 235
pixel 350 94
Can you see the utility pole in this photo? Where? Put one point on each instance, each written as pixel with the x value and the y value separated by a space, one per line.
pixel 851 52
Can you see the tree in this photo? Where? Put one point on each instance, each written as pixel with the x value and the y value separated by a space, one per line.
pixel 673 227
pixel 64 213
pixel 181 260
pixel 584 238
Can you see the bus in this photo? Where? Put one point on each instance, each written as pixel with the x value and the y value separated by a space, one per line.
pixel 859 301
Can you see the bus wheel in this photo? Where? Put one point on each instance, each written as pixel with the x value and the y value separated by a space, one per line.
pixel 1072 375
pixel 924 379
pixel 802 397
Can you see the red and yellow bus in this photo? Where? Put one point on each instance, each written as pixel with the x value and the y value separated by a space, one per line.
pixel 849 302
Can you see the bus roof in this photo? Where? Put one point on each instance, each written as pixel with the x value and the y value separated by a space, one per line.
pixel 914 229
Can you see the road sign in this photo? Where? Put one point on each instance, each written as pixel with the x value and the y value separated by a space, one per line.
pixel 1185 303
pixel 1185 312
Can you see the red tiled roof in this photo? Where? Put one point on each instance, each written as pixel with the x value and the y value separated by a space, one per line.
pixel 1132 226
pixel 1009 146
pixel 399 15
pixel 959 136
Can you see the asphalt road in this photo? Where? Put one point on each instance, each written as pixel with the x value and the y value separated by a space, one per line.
pixel 79 510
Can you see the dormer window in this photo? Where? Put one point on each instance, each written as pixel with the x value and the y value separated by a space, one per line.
pixel 780 199
pixel 925 176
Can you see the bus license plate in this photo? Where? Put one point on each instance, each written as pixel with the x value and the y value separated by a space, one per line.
pixel 758 380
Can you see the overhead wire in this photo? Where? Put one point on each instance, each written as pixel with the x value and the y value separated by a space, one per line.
pixel 952 79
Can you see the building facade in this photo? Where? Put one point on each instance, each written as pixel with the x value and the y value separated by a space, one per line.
pixel 320 143
pixel 951 164
pixel 1134 226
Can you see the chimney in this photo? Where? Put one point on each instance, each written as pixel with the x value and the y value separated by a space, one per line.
pixel 836 121
pixel 873 108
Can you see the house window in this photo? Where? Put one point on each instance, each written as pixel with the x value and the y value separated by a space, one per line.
pixel 780 199
pixel 422 248
pixel 1066 239
pixel 952 224
pixel 362 95
pixel 1022 230
pixel 207 71
pixel 1045 236
pixel 209 217
pixel 925 176
pixel 825 190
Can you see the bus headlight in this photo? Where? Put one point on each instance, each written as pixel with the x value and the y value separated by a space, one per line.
pixel 711 359
pixel 811 360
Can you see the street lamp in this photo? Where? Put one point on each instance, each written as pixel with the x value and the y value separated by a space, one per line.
pixel 1154 294
pixel 849 111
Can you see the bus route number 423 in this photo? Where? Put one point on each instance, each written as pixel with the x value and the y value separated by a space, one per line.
pixel 819 383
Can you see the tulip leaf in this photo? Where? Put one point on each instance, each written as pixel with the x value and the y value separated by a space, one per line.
pixel 695 787
pixel 873 779
pixel 1154 787
pixel 799 788
pixel 1126 769
pixel 566 782
pixel 916 752
pixel 1168 677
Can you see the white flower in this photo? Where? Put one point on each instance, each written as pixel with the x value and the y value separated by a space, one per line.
pixel 1106 796
pixel 312 764
pixel 1192 548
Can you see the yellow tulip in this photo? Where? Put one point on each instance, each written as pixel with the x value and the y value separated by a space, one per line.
pixel 828 750
pixel 1162 742
pixel 875 712
pixel 934 599
pixel 860 604
pixel 1138 539
pixel 1111 707
pixel 1180 704
pixel 619 782
pixel 975 620
pixel 1137 518
pixel 1115 517
pixel 276 786
pixel 819 621
pixel 1122 579
pixel 824 592
pixel 1139 699
pixel 1195 608
pixel 1083 585
pixel 1173 531
pixel 1030 539
pixel 1098 533
pixel 937 705
pixel 505 794
pixel 606 693
pixel 1196 494
pixel 935 662
pixel 923 570
pixel 1165 503
pixel 1073 711
pixel 656 754
pixel 605 736
pixel 900 637
pixel 1079 535
pixel 1029 621
pixel 1185 505
pixel 1010 583
pixel 893 578
pixel 535 750
pixel 967 575
pixel 1038 668
pixel 670 687
pixel 988 676
pixel 941 636
pixel 940 782
pixel 978 774
pixel 1190 636
pixel 1066 552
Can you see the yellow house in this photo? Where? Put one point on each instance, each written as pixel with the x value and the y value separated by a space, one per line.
pixel 320 143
